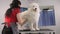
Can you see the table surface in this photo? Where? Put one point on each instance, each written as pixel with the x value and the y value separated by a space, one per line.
pixel 41 30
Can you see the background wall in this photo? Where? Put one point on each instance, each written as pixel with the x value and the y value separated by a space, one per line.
pixel 4 5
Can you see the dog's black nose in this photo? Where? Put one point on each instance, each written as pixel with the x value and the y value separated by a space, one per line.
pixel 35 8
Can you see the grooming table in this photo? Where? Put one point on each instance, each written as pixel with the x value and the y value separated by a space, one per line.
pixel 41 31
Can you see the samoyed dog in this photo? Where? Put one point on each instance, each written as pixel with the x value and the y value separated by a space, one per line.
pixel 32 17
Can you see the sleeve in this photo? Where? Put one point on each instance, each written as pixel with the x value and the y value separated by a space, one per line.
pixel 17 10
pixel 7 21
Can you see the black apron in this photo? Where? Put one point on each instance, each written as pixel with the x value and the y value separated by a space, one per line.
pixel 7 30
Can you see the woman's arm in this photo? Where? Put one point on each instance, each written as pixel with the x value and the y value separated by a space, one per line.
pixel 20 19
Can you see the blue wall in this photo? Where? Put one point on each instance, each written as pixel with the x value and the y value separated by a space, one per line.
pixel 47 18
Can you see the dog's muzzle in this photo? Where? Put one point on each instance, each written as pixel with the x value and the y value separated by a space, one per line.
pixel 35 9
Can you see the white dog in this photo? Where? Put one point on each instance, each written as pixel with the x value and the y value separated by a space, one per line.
pixel 32 15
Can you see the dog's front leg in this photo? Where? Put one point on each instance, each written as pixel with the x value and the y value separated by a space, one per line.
pixel 37 28
pixel 37 20
pixel 32 26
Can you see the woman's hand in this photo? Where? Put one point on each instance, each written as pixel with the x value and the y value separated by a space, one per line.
pixel 21 20
pixel 6 25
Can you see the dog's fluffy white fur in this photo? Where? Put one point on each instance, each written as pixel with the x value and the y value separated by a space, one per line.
pixel 32 16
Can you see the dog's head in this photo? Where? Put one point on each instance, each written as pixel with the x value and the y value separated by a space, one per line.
pixel 34 7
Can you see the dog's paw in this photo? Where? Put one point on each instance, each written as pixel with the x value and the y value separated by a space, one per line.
pixel 33 29
pixel 37 29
